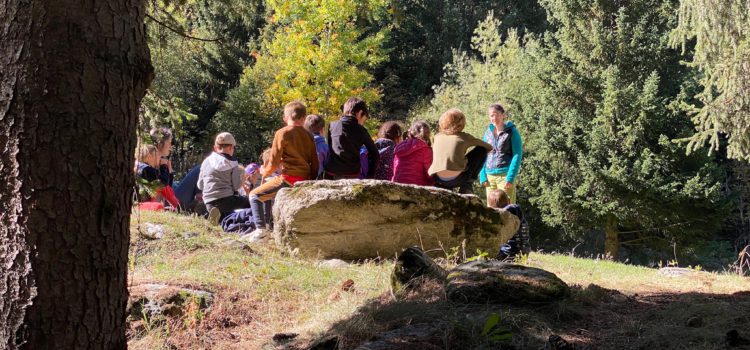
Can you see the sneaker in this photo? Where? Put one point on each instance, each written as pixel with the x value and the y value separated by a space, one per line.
pixel 258 235
pixel 214 215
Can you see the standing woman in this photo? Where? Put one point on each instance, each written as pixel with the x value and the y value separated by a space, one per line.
pixel 504 161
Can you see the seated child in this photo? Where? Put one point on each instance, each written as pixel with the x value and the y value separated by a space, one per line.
pixel 519 243
pixel 413 157
pixel 151 187
pixel 346 137
pixel 389 135
pixel 220 180
pixel 293 151
pixel 451 165
pixel 251 179
pixel 315 124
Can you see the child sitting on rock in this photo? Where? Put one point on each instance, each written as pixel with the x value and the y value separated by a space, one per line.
pixel 519 243
pixel 315 124
pixel 389 135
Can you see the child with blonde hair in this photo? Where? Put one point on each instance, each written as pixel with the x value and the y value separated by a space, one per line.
pixel 452 166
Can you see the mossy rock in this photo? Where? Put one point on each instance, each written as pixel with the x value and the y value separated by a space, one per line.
pixel 360 219
pixel 494 282
pixel 413 267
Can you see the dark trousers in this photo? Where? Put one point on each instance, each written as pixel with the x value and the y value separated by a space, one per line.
pixel 227 205
pixel 332 176
pixel 474 162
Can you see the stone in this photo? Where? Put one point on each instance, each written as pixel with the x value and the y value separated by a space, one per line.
pixel 360 219
pixel 694 322
pixel 413 267
pixel 235 244
pixel 419 336
pixel 188 235
pixel 156 301
pixel 494 282
pixel 333 264
pixel 677 272
pixel 153 231
pixel 284 337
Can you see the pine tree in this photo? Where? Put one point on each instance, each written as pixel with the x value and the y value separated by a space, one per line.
pixel 721 31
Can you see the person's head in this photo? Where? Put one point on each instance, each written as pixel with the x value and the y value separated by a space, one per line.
pixel 266 156
pixel 162 138
pixel 452 122
pixel 252 171
pixel 390 130
pixel 225 143
pixel 294 113
pixel 420 130
pixel 498 199
pixel 356 107
pixel 496 113
pixel 148 154
pixel 315 124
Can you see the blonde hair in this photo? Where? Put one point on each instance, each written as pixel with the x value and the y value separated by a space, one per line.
pixel 295 110
pixel 144 151
pixel 452 122
pixel 266 155
pixel 498 199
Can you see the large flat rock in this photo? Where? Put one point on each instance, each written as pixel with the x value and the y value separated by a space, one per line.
pixel 358 219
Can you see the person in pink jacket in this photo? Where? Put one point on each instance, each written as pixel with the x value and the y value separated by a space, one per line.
pixel 413 156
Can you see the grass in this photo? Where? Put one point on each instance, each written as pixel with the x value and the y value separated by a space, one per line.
pixel 262 291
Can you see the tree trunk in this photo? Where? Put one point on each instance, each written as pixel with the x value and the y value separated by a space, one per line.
pixel 72 74
pixel 611 240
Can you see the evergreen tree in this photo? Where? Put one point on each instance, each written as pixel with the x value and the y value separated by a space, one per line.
pixel 597 118
pixel 721 30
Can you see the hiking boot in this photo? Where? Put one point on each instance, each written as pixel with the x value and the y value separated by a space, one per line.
pixel 214 215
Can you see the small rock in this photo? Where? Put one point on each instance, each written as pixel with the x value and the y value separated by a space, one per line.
pixel 153 231
pixel 156 301
pixel 188 235
pixel 676 271
pixel 494 282
pixel 620 298
pixel 412 267
pixel 333 264
pixel 556 342
pixel 284 337
pixel 694 322
pixel 348 285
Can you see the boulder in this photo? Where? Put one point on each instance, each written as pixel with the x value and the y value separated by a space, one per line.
pixel 412 267
pixel 358 219
pixel 152 302
pixel 494 282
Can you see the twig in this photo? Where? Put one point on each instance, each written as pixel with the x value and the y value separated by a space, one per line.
pixel 178 32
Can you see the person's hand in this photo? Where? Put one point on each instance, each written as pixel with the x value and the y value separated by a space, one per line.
pixel 508 185
pixel 485 184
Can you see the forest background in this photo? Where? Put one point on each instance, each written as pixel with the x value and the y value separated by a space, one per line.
pixel 634 114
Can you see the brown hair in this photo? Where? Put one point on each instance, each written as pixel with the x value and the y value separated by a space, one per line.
pixel 314 123
pixel 498 107
pixel 420 130
pixel 295 110
pixel 498 199
pixel 159 136
pixel 354 105
pixel 390 130
pixel 266 155
pixel 452 122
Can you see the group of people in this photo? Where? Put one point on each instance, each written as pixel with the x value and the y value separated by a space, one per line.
pixel 452 159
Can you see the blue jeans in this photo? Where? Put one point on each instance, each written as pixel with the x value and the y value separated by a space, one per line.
pixel 187 188
pixel 261 200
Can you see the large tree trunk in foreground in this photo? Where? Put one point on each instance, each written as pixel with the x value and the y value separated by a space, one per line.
pixel 72 74
pixel 611 239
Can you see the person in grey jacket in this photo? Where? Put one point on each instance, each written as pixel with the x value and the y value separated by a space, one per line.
pixel 220 180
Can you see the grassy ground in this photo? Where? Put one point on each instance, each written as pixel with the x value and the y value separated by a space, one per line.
pixel 261 292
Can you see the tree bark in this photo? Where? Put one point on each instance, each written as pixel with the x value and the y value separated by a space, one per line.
pixel 611 240
pixel 72 74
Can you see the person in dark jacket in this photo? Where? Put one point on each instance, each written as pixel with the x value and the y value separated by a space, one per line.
pixel 389 136
pixel 413 157
pixel 519 243
pixel 345 138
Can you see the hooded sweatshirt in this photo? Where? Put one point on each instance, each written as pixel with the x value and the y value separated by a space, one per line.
pixel 412 158
pixel 220 177
pixel 506 155
pixel 385 165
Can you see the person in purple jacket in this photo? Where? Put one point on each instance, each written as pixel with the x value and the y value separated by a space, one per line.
pixel 413 157
pixel 315 125
pixel 389 136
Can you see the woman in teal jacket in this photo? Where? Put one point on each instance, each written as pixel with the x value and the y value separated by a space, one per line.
pixel 504 161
